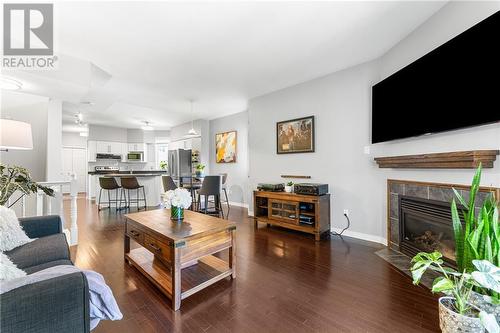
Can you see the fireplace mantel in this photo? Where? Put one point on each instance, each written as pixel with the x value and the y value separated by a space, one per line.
pixel 452 160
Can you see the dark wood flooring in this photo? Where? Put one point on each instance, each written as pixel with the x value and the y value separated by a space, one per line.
pixel 285 282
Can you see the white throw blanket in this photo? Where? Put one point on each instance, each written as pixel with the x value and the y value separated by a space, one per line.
pixel 102 302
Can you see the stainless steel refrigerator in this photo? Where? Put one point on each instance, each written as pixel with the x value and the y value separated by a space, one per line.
pixel 179 163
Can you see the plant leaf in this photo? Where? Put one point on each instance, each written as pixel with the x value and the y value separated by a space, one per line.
pixel 460 198
pixel 442 285
pixel 489 322
pixel 487 275
pixel 459 236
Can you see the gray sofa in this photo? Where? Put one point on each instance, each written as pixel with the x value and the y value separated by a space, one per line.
pixel 56 305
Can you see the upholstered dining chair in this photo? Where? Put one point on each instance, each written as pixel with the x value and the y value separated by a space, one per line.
pixel 211 187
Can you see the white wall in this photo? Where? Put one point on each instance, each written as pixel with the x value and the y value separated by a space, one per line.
pixel 107 133
pixel 71 139
pixel 341 103
pixel 31 109
pixel 202 127
pixel 237 180
pixel 54 141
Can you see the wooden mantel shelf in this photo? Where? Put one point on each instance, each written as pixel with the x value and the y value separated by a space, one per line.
pixel 452 160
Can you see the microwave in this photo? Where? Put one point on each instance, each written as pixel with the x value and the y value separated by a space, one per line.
pixel 135 157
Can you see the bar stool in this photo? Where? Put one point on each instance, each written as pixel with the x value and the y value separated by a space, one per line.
pixel 211 187
pixel 131 183
pixel 224 189
pixel 109 184
pixel 168 183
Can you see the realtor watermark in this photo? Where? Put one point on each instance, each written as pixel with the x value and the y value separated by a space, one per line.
pixel 28 36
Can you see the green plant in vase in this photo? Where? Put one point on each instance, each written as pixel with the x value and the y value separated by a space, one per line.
pixel 199 170
pixel 289 187
pixel 478 238
pixel 16 178
pixel 163 165
pixel 456 311
pixel 177 200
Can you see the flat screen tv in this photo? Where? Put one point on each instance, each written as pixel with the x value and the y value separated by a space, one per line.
pixel 456 85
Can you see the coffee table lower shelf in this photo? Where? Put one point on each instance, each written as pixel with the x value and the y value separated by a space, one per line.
pixel 206 271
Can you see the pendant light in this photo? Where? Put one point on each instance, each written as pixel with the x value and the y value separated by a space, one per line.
pixel 192 131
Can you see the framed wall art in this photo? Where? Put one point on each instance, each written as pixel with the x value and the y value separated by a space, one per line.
pixel 295 136
pixel 225 147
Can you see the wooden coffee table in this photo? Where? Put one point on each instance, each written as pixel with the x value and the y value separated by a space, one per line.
pixel 178 258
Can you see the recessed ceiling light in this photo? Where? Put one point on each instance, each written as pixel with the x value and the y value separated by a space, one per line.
pixel 10 84
pixel 147 126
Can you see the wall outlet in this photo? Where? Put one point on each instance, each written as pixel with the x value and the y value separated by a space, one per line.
pixel 346 212
pixel 366 150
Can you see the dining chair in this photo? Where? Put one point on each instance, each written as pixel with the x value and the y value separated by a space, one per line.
pixel 211 186
pixel 224 189
pixel 168 183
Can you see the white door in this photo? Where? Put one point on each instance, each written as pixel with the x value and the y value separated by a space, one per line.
pixel 75 161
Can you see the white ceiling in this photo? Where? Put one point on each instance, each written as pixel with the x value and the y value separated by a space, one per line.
pixel 161 54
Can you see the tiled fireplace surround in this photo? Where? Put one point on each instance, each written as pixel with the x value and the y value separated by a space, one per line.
pixel 432 191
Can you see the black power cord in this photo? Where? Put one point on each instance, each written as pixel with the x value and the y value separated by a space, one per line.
pixel 341 232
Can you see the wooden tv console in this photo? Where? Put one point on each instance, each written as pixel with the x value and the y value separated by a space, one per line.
pixel 285 209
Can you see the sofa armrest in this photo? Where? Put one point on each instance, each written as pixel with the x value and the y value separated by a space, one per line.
pixel 59 304
pixel 40 226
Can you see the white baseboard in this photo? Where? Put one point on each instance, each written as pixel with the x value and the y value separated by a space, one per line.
pixel 360 235
pixel 250 212
pixel 238 204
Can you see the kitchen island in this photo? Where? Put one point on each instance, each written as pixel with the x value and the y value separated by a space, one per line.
pixel 151 180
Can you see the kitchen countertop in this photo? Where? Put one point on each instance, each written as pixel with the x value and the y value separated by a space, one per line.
pixel 130 173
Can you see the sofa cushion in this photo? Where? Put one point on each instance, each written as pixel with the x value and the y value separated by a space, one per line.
pixel 34 269
pixel 40 251
pixel 11 233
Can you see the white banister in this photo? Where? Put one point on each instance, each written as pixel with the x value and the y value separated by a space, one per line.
pixel 74 209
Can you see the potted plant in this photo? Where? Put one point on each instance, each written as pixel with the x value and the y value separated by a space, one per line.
pixel 456 313
pixel 289 187
pixel 163 165
pixel 177 200
pixel 477 239
pixel 199 170
pixel 16 178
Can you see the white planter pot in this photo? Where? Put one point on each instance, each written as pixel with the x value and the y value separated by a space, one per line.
pixel 288 189
pixel 483 303
pixel 452 322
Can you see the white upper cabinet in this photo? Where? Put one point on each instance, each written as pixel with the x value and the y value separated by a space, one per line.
pixel 136 147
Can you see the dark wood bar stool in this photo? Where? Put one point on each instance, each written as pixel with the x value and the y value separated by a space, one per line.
pixel 131 183
pixel 109 184
pixel 211 187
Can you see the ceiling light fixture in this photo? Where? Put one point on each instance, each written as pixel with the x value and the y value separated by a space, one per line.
pixel 9 84
pixel 192 132
pixel 147 126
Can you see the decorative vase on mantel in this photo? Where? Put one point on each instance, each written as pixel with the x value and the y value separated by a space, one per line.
pixel 177 214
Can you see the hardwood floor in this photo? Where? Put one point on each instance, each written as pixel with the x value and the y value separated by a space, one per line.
pixel 285 282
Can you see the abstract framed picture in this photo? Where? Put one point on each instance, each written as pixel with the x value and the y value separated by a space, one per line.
pixel 225 147
pixel 295 136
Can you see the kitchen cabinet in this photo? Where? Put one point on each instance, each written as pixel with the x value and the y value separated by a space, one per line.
pixel 91 151
pixel 136 147
pixel 108 147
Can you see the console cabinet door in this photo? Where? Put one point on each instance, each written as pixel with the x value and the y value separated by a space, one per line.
pixel 284 211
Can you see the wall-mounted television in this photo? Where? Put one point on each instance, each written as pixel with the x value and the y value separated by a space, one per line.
pixel 456 85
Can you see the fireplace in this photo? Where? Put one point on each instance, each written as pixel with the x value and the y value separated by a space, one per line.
pixel 426 226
